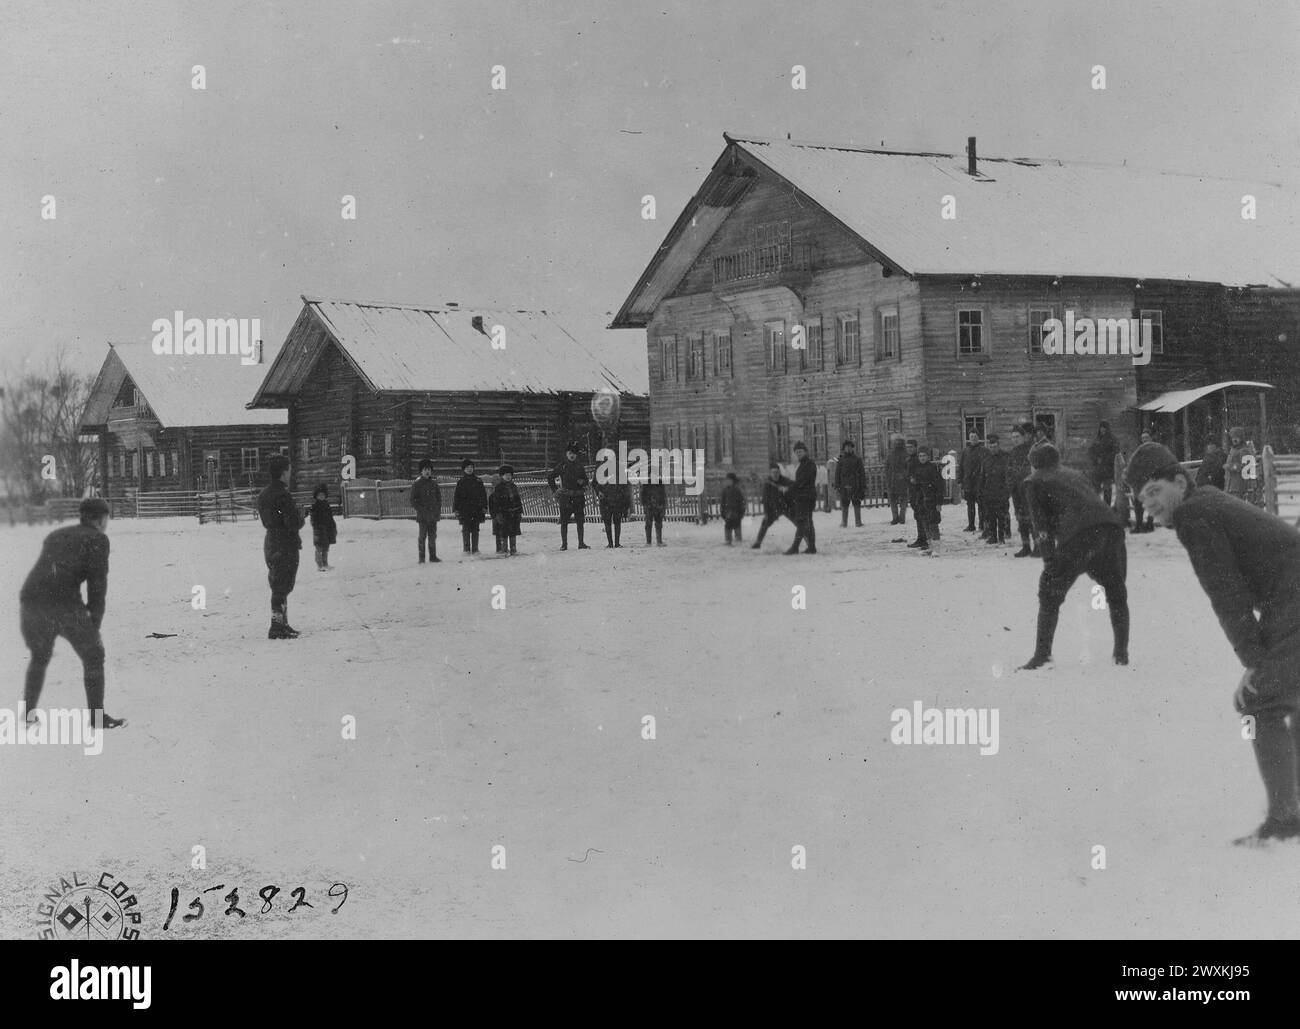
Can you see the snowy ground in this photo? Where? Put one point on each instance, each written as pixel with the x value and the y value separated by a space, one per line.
pixel 522 728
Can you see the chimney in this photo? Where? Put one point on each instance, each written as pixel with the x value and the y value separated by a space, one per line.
pixel 970 156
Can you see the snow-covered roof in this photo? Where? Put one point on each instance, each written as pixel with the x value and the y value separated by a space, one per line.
pixel 1176 400
pixel 397 347
pixel 183 391
pixel 1017 216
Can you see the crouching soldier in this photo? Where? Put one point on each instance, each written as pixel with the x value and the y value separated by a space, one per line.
pixel 469 504
pixel 50 606
pixel 507 508
pixel 426 498
pixel 1078 534
pixel 571 493
pixel 776 502
pixel 1246 561
pixel 282 545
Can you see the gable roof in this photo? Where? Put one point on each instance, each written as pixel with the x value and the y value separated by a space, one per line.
pixel 1018 216
pixel 182 391
pixel 401 348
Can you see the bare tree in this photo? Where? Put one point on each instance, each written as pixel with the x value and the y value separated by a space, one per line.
pixel 40 453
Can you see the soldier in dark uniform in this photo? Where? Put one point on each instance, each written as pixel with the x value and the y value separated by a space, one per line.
pixel 50 606
pixel 968 470
pixel 426 498
pixel 850 483
pixel 281 546
pixel 803 500
pixel 1018 470
pixel 571 493
pixel 994 495
pixel 776 502
pixel 897 482
pixel 1247 561
pixel 1078 534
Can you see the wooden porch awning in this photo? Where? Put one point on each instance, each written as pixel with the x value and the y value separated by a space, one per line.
pixel 1172 402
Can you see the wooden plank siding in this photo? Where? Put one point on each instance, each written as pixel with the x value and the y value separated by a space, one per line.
pixel 1006 383
pixel 184 451
pixel 389 433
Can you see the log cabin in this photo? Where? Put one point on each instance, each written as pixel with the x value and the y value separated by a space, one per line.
pixel 823 292
pixel 392 384
pixel 178 422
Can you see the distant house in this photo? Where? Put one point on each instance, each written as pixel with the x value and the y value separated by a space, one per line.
pixel 167 422
pixel 390 385
pixel 824 292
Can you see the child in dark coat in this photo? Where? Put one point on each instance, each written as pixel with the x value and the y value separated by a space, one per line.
pixel 469 504
pixel 732 507
pixel 927 484
pixel 615 500
pixel 654 500
pixel 507 509
pixel 776 502
pixel 324 533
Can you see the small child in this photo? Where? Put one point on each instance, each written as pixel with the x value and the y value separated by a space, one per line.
pixel 929 491
pixel 615 500
pixel 324 532
pixel 507 508
pixel 732 507
pixel 654 501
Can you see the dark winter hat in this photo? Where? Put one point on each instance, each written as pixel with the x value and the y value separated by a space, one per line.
pixel 467 463
pixel 571 447
pixel 277 466
pixel 733 476
pixel 1148 461
pixel 505 469
pixel 927 451
pixel 322 488
pixel 800 446
pixel 1045 456
pixel 1236 432
pixel 911 442
pixel 426 463
pixel 993 437
pixel 847 445
pixel 92 509
pixel 1027 428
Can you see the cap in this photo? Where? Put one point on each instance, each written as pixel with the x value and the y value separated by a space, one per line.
pixel 800 446
pixel 1044 456
pixel 911 442
pixel 1148 461
pixel 277 466
pixel 92 509
pixel 467 463
pixel 993 437
pixel 505 469
pixel 426 463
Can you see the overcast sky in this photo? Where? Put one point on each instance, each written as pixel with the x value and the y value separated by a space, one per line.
pixel 226 202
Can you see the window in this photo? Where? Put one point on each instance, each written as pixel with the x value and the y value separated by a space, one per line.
pixel 1038 315
pixel 176 460
pixel 304 448
pixel 975 423
pixel 847 343
pixel 774 332
pixel 699 439
pixel 722 352
pixel 489 443
pixel 780 441
pixel 1157 318
pixel 130 465
pixel 248 459
pixel 728 443
pixel 813 338
pixel 695 357
pixel 148 464
pixel 970 332
pixel 668 359
pixel 817 438
pixel 388 444
pixel 1051 419
pixel 891 425
pixel 889 336
pixel 368 443
pixel 162 464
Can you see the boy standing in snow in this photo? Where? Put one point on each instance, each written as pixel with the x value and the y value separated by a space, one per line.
pixel 469 504
pixel 929 494
pixel 776 502
pixel 654 501
pixel 281 546
pixel 732 507
pixel 993 493
pixel 1078 534
pixel 615 500
pixel 507 508
pixel 1246 561
pixel 426 498
pixel 571 493
pixel 324 533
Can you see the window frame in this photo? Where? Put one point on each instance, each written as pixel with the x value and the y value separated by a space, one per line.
pixel 770 345
pixel 243 460
pixel 983 326
pixel 1054 312
pixel 886 311
pixel 1157 327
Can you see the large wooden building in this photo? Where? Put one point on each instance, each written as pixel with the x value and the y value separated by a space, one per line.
pixel 390 385
pixel 178 422
pixel 824 293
